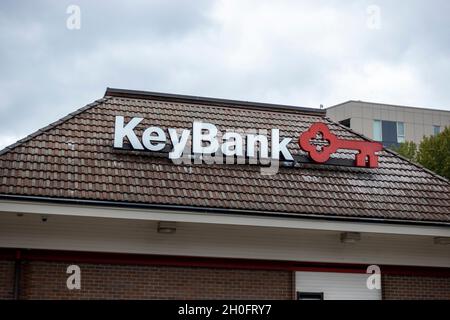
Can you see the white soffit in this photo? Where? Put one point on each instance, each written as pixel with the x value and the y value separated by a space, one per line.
pixel 29 207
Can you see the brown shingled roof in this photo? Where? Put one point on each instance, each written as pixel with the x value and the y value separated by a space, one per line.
pixel 74 159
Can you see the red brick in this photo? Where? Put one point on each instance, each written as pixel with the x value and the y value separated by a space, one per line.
pixel 398 287
pixel 6 279
pixel 47 280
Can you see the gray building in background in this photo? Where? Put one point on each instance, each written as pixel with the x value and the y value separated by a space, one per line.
pixel 389 124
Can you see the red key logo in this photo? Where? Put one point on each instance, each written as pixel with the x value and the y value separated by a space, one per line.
pixel 320 143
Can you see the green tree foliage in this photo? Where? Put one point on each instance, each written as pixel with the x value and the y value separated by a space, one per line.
pixel 434 153
pixel 407 149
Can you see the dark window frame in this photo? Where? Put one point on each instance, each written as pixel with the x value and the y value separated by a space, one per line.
pixel 309 295
pixel 346 122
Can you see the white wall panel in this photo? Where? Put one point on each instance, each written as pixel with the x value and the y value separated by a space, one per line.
pixel 336 286
pixel 195 239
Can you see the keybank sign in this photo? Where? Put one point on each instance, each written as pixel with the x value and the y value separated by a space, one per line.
pixel 205 141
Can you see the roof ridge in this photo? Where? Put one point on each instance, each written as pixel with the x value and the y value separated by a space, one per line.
pixel 392 152
pixel 418 165
pixel 52 125
pixel 137 94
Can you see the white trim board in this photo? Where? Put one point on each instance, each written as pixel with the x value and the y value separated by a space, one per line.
pixel 29 207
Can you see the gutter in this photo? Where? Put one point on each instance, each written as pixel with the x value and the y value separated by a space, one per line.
pixel 254 213
pixel 17 274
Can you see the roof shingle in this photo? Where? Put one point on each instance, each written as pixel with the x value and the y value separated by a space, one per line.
pixel 74 159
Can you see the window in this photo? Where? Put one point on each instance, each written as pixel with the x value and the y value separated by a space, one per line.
pixel 309 295
pixel 377 134
pixel 436 130
pixel 345 122
pixel 391 133
pixel 400 132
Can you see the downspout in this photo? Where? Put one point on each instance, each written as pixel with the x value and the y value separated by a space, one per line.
pixel 294 285
pixel 17 274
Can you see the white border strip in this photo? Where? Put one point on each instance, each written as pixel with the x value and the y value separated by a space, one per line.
pixel 27 207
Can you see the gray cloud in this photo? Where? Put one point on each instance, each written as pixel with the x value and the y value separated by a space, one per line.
pixel 290 52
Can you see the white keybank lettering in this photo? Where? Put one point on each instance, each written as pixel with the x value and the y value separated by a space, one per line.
pixel 205 140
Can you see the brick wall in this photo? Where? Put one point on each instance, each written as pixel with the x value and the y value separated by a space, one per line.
pixel 415 287
pixel 6 279
pixel 47 280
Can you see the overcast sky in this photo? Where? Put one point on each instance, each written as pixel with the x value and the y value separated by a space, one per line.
pixel 290 52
